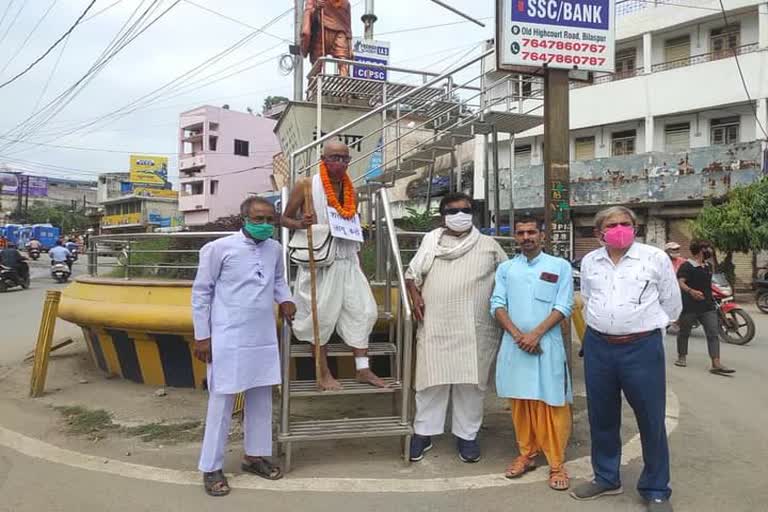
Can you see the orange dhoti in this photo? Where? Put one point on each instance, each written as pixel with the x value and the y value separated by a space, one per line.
pixel 337 45
pixel 541 428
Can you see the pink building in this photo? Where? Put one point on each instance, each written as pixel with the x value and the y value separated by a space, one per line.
pixel 224 157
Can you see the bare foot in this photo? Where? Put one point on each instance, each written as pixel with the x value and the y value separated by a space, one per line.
pixel 328 383
pixel 368 377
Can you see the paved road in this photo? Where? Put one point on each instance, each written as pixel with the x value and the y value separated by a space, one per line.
pixel 20 312
pixel 718 451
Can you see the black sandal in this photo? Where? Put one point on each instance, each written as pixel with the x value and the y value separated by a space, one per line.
pixel 216 484
pixel 263 468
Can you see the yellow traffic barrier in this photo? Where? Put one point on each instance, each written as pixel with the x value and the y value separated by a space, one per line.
pixel 239 404
pixel 44 342
pixel 579 324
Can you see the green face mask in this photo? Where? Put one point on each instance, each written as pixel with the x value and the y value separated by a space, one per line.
pixel 259 231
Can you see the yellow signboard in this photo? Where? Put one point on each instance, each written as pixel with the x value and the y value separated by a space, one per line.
pixel 125 219
pixel 149 170
pixel 155 192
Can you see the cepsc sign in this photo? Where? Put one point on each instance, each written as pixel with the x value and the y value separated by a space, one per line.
pixel 370 52
pixel 565 34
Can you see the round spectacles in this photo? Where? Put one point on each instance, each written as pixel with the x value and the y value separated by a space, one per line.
pixel 338 159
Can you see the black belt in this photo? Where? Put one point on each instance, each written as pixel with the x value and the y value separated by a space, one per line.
pixel 624 338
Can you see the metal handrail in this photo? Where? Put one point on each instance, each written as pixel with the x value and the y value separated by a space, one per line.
pixel 388 105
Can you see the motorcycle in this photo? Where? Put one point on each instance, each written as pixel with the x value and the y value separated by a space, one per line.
pixel 10 278
pixel 60 272
pixel 34 253
pixel 736 325
pixel 762 295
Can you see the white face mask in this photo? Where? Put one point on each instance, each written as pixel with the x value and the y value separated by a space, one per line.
pixel 459 222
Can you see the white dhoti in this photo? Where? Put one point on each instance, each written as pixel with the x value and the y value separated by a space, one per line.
pixel 257 425
pixel 467 408
pixel 345 303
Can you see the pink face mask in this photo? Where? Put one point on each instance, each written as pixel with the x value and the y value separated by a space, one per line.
pixel 619 237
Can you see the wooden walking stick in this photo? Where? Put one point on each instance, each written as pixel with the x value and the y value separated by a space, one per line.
pixel 308 209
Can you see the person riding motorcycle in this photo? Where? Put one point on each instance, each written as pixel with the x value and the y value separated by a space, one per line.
pixel 35 244
pixel 11 257
pixel 60 254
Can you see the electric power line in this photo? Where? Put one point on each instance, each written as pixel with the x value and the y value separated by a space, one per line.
pixel 743 80
pixel 234 20
pixel 49 50
pixel 13 21
pixel 29 36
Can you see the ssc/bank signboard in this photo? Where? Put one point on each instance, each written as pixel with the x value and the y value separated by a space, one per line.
pixel 564 34
pixel 371 52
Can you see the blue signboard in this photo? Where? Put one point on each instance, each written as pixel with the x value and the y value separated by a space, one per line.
pixel 370 52
pixel 592 14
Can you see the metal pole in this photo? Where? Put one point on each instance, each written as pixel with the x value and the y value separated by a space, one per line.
pixel 369 18
pixel 430 177
pixel 511 184
pixel 285 341
pixel 452 169
pixel 298 59
pixel 496 182
pixel 319 119
pixel 486 185
pixel 557 162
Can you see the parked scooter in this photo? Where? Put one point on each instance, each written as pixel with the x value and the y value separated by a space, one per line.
pixel 10 278
pixel 762 295
pixel 60 272
pixel 736 325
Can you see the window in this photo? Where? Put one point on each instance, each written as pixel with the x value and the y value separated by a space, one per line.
pixel 213 126
pixel 214 187
pixel 626 62
pixel 678 49
pixel 623 143
pixel 241 147
pixel 585 148
pixel 522 156
pixel 212 142
pixel 724 40
pixel 725 131
pixel 192 189
pixel 677 137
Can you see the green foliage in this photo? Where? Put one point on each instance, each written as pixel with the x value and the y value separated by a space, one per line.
pixel 61 216
pixel 418 221
pixel 272 101
pixel 740 224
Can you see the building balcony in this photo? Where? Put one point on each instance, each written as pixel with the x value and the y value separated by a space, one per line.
pixel 191 162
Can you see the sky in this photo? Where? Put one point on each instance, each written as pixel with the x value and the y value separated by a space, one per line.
pixel 180 42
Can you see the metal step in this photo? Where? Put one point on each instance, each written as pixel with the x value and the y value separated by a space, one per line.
pixel 340 350
pixel 305 388
pixel 346 428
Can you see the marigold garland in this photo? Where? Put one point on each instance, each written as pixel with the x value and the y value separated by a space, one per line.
pixel 349 209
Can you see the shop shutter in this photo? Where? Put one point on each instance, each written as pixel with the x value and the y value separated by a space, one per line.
pixel 585 148
pixel 680 232
pixel 677 137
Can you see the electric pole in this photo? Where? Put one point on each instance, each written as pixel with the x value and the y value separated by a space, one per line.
pixel 369 18
pixel 557 176
pixel 298 59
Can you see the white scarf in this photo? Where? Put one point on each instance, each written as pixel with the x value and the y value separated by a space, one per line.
pixel 430 249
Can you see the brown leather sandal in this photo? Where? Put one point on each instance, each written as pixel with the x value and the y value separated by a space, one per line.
pixel 520 466
pixel 558 479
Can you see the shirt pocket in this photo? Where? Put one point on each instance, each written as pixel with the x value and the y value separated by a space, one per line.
pixel 638 287
pixel 545 291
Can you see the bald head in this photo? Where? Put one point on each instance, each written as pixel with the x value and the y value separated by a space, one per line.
pixel 335 147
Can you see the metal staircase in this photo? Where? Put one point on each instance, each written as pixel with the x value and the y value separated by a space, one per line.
pixel 419 124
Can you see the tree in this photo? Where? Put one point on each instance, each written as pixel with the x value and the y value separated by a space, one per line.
pixel 273 101
pixel 739 224
pixel 63 216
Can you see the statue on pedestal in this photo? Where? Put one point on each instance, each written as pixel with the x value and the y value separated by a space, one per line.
pixel 327 30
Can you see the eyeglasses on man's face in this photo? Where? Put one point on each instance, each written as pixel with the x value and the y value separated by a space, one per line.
pixel 454 211
pixel 338 159
pixel 261 219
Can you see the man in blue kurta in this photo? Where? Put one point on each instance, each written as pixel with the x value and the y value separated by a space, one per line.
pixel 533 294
pixel 239 280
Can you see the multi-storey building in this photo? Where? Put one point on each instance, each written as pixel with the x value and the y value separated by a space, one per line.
pixel 674 127
pixel 224 157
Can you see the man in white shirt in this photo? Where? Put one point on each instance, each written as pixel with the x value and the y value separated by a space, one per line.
pixel 631 295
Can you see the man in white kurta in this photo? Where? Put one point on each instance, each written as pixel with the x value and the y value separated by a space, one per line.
pixel 239 280
pixel 450 282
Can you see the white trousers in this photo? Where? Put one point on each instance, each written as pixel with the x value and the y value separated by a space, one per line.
pixel 467 406
pixel 345 303
pixel 257 425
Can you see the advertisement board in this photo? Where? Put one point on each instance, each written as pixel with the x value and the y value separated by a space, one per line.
pixel 149 170
pixel 563 34
pixel 126 219
pixel 372 52
pixel 34 186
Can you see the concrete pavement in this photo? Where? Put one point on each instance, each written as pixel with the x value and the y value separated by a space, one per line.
pixel 718 451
